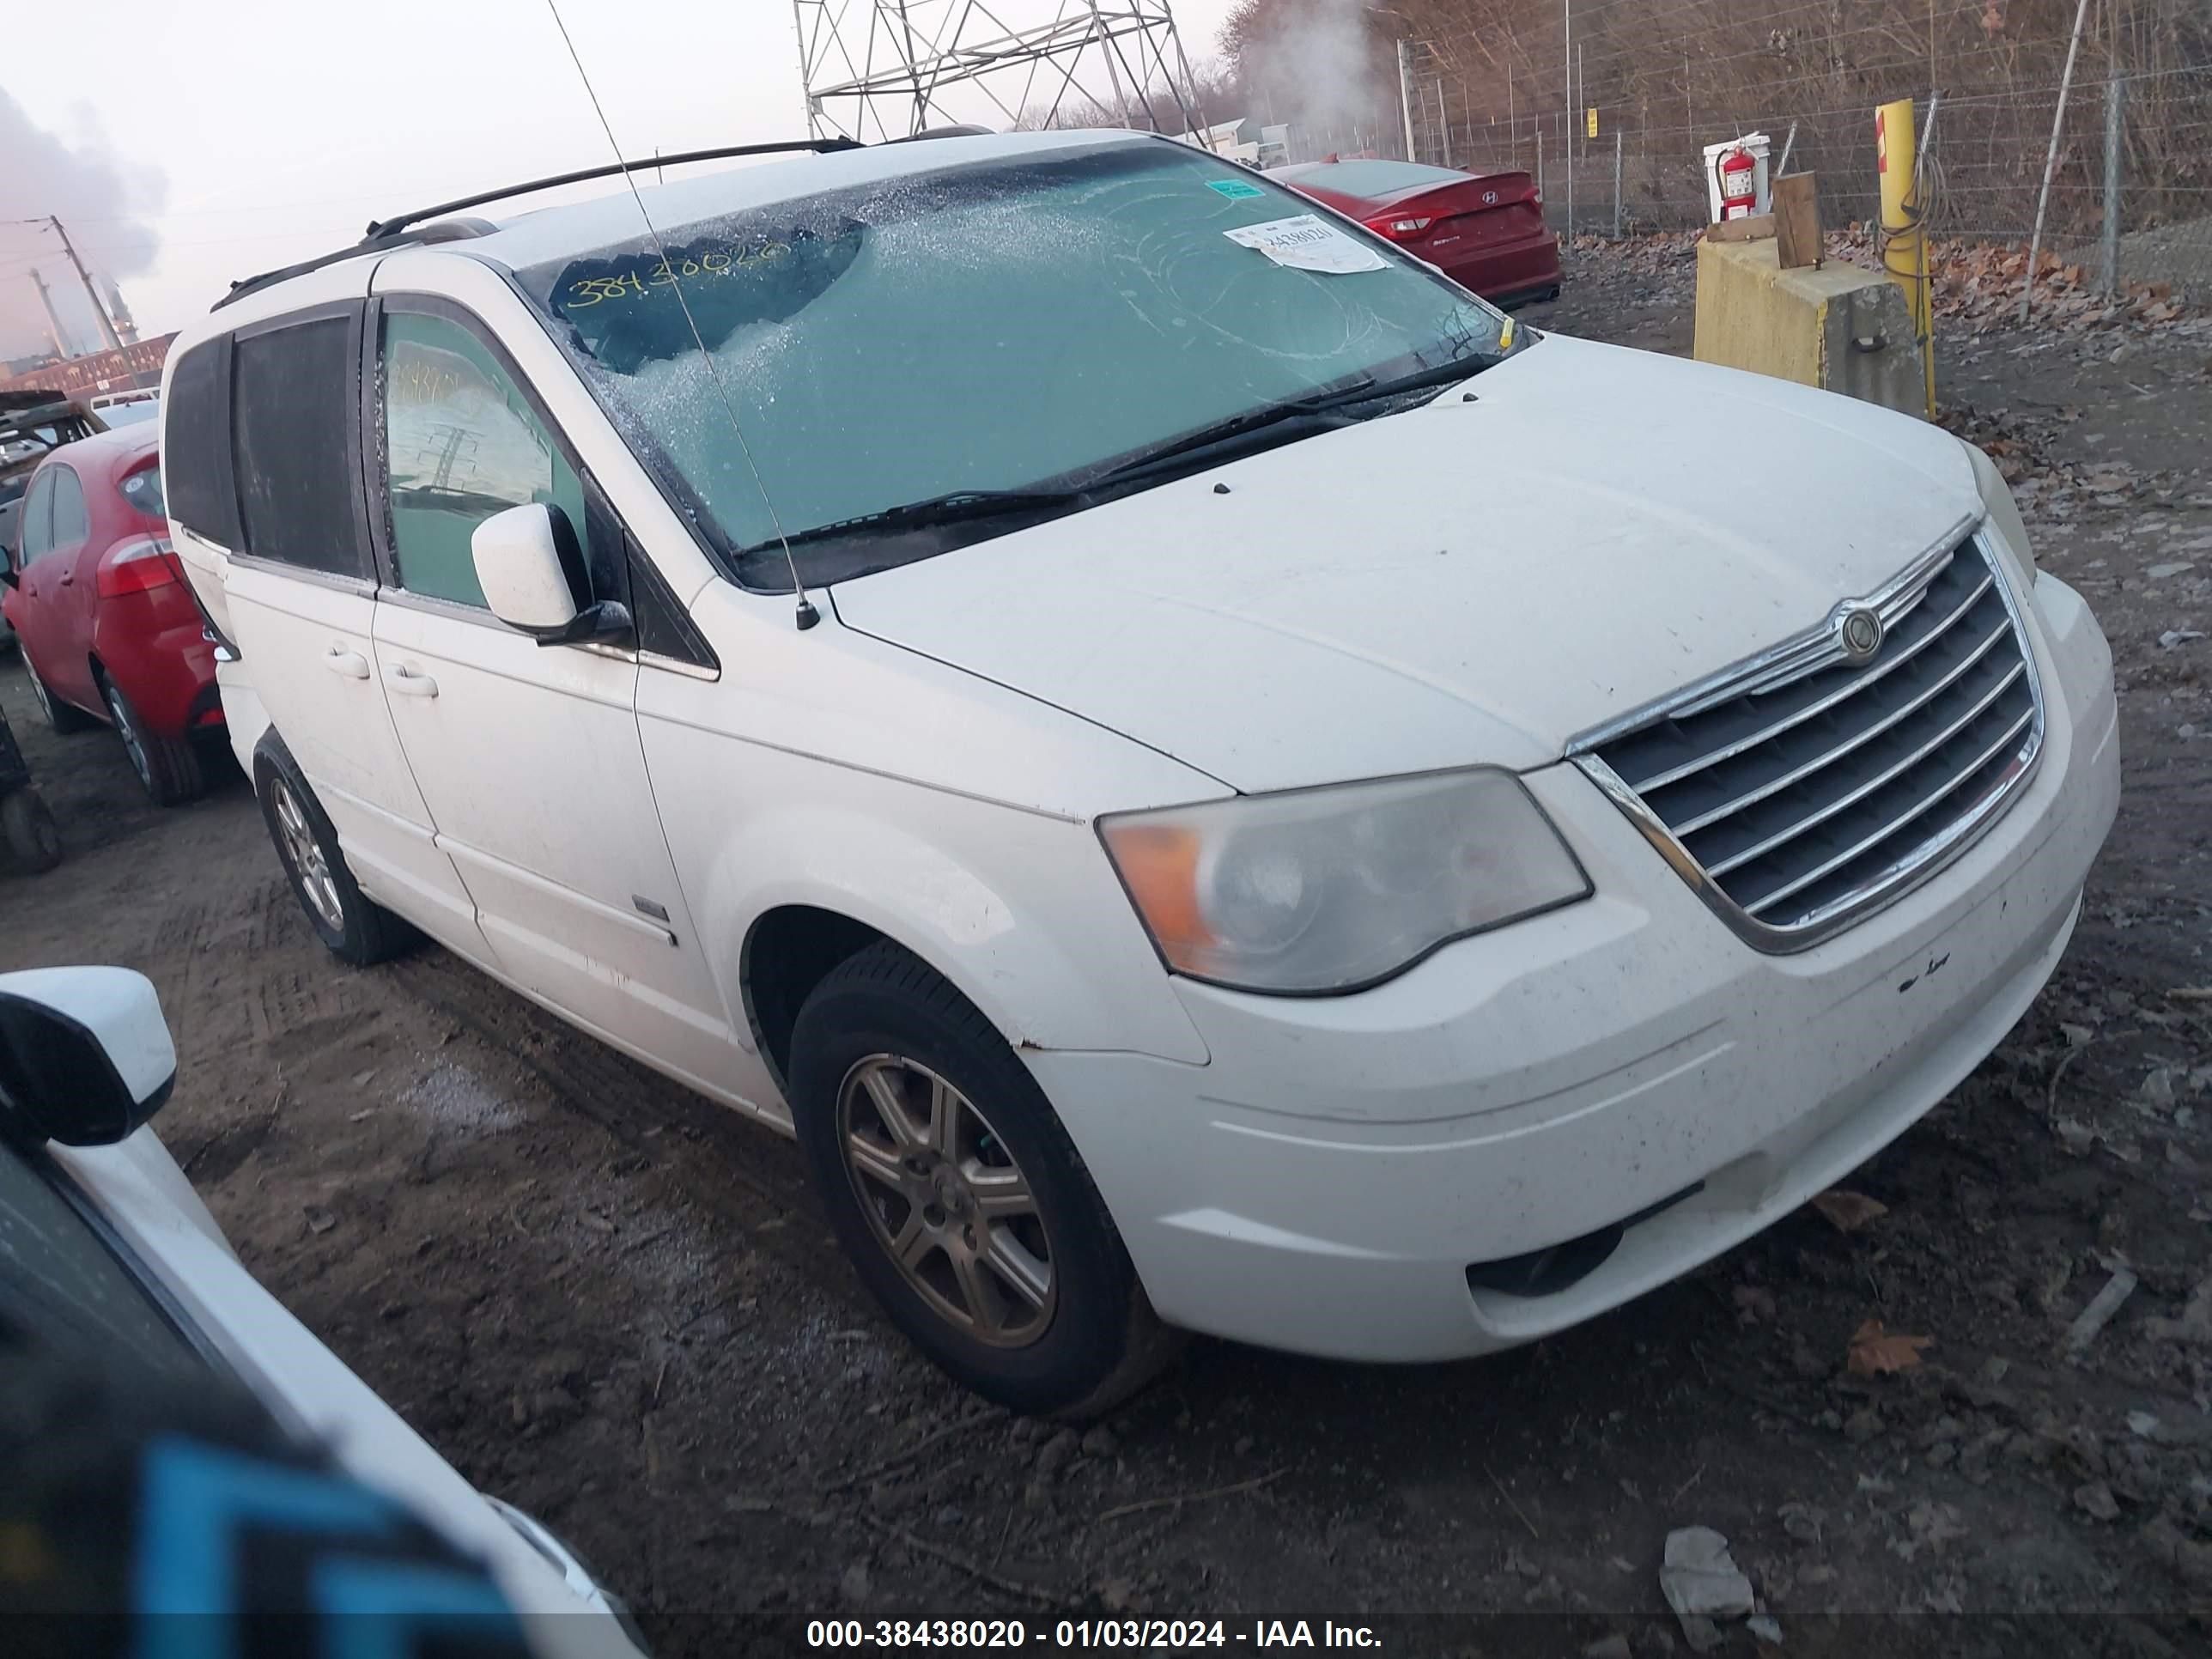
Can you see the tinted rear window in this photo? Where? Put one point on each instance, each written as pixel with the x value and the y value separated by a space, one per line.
pixel 1372 178
pixel 195 449
pixel 293 393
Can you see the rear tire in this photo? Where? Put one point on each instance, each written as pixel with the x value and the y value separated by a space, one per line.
pixel 975 1224
pixel 34 839
pixel 60 716
pixel 169 768
pixel 353 926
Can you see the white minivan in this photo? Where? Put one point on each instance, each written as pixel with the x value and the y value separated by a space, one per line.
pixel 1214 780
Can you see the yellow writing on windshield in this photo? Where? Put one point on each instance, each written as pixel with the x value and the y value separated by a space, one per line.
pixel 642 281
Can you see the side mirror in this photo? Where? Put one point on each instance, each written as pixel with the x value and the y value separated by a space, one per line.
pixel 85 1055
pixel 531 570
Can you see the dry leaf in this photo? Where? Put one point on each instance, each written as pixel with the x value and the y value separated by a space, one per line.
pixel 1849 1212
pixel 1877 1352
pixel 1753 1302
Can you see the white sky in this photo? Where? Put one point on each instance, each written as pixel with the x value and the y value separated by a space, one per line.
pixel 282 126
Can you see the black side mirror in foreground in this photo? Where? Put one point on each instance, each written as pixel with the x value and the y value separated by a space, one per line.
pixel 85 1055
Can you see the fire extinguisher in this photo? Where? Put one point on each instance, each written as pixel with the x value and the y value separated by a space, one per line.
pixel 1739 176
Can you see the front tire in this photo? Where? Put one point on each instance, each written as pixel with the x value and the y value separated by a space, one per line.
pixel 354 927
pixel 167 768
pixel 60 716
pixel 34 839
pixel 959 1197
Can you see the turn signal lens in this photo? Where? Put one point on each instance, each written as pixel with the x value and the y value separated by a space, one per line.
pixel 1158 863
pixel 1402 226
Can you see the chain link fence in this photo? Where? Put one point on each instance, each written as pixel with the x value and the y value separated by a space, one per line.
pixel 2129 198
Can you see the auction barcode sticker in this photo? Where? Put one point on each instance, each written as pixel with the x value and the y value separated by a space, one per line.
pixel 1308 243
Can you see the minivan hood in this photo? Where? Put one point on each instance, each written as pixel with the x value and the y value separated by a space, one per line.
pixel 1470 582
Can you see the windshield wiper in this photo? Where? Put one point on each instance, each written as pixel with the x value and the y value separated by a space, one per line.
pixel 1435 374
pixel 1321 412
pixel 954 506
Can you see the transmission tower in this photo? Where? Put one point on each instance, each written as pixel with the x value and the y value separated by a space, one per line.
pixel 875 69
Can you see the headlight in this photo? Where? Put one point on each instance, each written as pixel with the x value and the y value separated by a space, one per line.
pixel 2005 525
pixel 1319 890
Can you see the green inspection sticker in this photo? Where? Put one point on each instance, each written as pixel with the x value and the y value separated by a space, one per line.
pixel 1235 189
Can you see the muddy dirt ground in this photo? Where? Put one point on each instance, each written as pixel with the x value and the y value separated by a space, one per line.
pixel 617 1306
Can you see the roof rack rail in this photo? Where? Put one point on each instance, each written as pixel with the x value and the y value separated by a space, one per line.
pixel 400 231
pixel 446 230
pixel 820 146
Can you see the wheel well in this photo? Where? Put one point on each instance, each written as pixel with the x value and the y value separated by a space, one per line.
pixel 99 679
pixel 790 950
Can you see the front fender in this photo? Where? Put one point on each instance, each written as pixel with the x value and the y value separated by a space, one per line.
pixel 1020 909
pixel 1041 938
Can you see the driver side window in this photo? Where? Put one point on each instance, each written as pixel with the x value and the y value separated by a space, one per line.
pixel 460 443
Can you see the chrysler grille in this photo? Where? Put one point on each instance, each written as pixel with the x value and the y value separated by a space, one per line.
pixel 1805 788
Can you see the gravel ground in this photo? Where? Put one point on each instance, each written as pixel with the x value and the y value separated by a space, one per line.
pixel 617 1306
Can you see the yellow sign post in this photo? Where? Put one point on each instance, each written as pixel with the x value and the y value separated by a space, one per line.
pixel 1905 247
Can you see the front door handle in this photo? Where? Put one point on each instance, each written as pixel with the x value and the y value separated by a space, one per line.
pixel 351 664
pixel 408 683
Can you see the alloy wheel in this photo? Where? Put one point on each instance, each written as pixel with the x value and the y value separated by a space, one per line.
pixel 947 1200
pixel 39 693
pixel 127 729
pixel 303 851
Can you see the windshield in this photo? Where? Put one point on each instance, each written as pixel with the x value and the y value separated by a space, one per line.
pixel 131 414
pixel 1019 325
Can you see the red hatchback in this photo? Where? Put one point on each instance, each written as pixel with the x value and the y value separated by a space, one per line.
pixel 1486 233
pixel 108 632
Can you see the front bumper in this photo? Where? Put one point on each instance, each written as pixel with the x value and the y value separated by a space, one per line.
pixel 1326 1181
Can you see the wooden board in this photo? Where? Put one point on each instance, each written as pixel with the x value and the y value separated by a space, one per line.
pixel 1740 230
pixel 1797 221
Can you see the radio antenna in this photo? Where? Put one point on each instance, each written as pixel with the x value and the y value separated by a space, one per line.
pixel 808 616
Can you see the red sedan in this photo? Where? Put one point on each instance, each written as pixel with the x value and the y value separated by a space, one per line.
pixel 1486 233
pixel 107 629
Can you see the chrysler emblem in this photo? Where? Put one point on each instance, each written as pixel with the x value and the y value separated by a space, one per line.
pixel 1858 632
